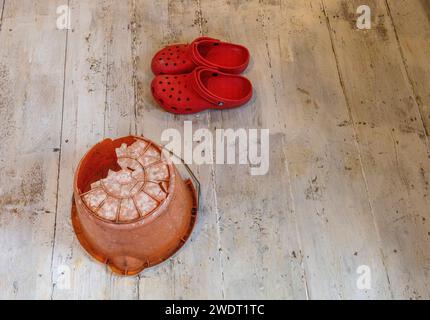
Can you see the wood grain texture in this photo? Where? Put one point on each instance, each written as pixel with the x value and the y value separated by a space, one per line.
pixel 31 87
pixel 411 21
pixel 195 272
pixel 260 250
pixel 1 12
pixel 93 92
pixel 330 196
pixel 392 142
pixel 348 113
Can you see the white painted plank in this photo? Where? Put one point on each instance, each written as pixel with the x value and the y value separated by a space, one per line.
pixel 347 158
pixel 31 90
pixel 391 139
pixel 1 12
pixel 411 23
pixel 194 273
pixel 261 254
pixel 120 111
pixel 335 220
pixel 91 108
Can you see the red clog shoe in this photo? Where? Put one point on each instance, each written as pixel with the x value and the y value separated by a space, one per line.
pixel 204 51
pixel 202 89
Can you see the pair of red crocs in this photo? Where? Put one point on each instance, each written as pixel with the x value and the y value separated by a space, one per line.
pixel 202 75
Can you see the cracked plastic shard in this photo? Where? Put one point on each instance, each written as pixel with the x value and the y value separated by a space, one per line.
pixel 134 191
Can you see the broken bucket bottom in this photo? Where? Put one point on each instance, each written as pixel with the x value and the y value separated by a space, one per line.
pixel 132 209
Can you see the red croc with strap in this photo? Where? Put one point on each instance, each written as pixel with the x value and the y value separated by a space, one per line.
pixel 204 88
pixel 204 51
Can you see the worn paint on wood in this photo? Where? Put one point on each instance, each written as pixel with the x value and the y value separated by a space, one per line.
pixel 195 273
pixel 392 143
pixel 92 91
pixel 31 90
pixel 337 232
pixel 348 112
pixel 412 29
pixel 259 246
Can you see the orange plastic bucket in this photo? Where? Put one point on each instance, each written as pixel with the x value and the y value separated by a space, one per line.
pixel 132 209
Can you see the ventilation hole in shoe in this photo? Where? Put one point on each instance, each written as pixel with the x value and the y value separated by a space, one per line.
pixel 216 44
pixel 172 89
pixel 170 49
pixel 168 83
pixel 174 108
pixel 179 99
pixel 170 96
pixel 161 82
pixel 161 101
pixel 166 64
pixel 168 58
pixel 188 109
pixel 188 99
pixel 179 91
pixel 175 77
pixel 164 90
pixel 166 77
pixel 215 74
pixel 183 61
pixel 171 53
pixel 174 64
pixel 185 86
pixel 160 59
pixel 163 53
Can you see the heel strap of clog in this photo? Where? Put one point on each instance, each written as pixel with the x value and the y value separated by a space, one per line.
pixel 195 54
pixel 199 88
pixel 202 91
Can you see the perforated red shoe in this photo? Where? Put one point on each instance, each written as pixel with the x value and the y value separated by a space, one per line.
pixel 202 89
pixel 204 51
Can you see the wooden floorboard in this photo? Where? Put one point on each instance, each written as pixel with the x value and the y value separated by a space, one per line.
pixel 392 143
pixel 330 197
pixel 2 3
pixel 196 271
pixel 349 117
pixel 260 250
pixel 31 87
pixel 412 29
pixel 93 91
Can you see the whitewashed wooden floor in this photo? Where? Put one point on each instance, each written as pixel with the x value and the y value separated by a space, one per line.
pixel 349 116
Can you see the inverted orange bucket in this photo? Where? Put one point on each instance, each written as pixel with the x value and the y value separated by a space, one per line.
pixel 132 209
